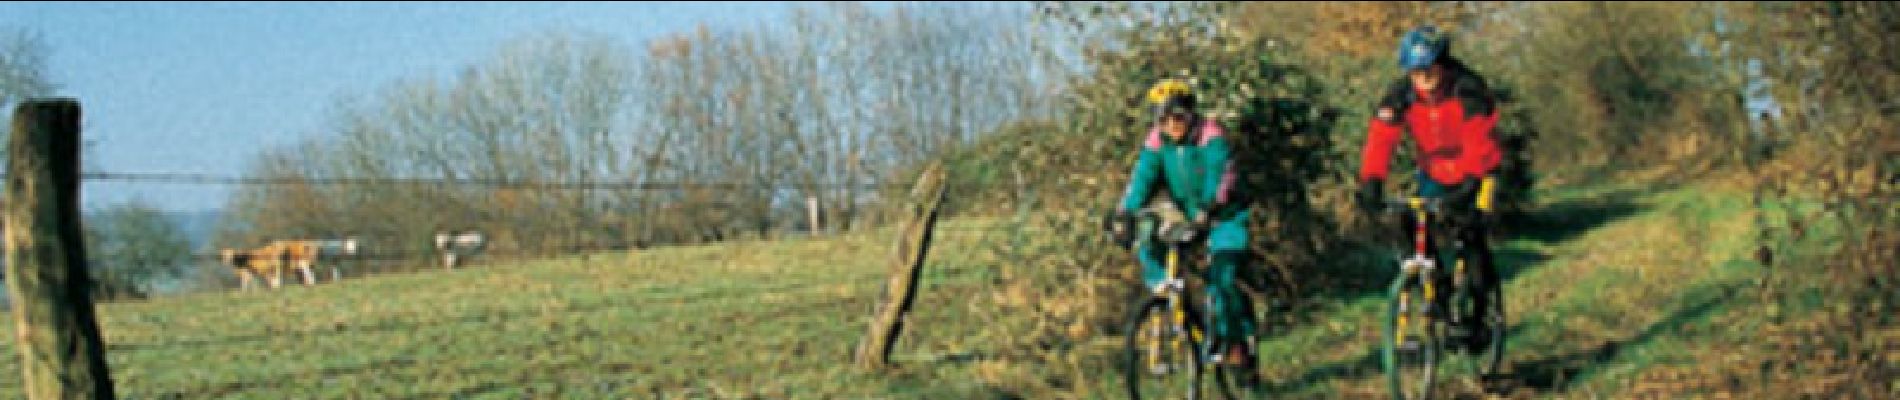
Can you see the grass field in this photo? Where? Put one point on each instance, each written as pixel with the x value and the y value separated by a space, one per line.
pixel 1605 284
pixel 1597 288
pixel 761 319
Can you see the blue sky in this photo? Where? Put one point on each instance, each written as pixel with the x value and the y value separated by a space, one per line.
pixel 202 87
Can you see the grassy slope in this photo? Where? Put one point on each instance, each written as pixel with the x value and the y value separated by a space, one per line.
pixel 1599 287
pixel 771 319
pixel 1607 283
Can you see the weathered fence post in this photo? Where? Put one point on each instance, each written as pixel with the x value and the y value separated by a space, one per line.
pixel 913 243
pixel 55 327
pixel 811 212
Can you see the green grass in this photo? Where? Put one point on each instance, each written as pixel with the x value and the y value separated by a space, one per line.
pixel 765 319
pixel 1598 288
pixel 1603 284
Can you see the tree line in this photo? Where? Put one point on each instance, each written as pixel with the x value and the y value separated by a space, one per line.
pixel 824 105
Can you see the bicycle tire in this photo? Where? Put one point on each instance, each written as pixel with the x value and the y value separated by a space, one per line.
pixel 1236 382
pixel 1425 354
pixel 1492 359
pixel 1487 356
pixel 1484 361
pixel 1135 367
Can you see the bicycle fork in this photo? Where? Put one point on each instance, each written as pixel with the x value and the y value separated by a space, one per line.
pixel 1419 270
pixel 1177 314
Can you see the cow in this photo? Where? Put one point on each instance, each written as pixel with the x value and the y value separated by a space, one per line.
pixel 334 250
pixel 269 262
pixel 247 265
pixel 458 245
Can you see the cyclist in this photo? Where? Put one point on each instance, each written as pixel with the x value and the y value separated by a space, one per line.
pixel 1190 156
pixel 1449 114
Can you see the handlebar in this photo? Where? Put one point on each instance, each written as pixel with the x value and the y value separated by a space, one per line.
pixel 1408 203
pixel 1179 233
pixel 1173 229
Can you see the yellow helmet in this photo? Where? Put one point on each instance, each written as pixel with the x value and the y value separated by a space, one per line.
pixel 1171 96
pixel 1167 89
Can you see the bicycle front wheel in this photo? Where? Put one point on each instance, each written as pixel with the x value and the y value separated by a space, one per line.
pixel 1162 358
pixel 1410 347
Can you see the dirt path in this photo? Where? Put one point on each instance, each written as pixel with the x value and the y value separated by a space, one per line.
pixel 1598 285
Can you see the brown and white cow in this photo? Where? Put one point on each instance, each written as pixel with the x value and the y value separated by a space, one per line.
pixel 269 262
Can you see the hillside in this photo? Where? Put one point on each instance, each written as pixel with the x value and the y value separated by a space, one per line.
pixel 1609 288
pixel 722 321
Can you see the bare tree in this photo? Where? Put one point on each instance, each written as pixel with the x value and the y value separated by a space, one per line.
pixel 22 66
pixel 22 70
pixel 841 95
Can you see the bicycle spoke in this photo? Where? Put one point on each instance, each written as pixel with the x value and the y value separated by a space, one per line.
pixel 1161 361
pixel 1410 346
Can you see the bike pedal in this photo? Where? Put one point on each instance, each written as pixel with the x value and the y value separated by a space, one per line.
pixel 1409 344
pixel 1161 369
pixel 1458 332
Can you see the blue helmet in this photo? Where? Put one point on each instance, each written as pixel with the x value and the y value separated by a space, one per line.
pixel 1421 47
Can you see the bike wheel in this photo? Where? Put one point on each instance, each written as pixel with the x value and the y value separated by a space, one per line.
pixel 1162 358
pixel 1486 350
pixel 1238 382
pixel 1235 382
pixel 1491 354
pixel 1410 353
pixel 1481 355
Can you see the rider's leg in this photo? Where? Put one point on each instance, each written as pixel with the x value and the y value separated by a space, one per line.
pixel 1149 253
pixel 1232 324
pixel 1477 239
pixel 1227 245
pixel 1479 249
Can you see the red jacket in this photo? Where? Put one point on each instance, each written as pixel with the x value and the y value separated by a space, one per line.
pixel 1453 141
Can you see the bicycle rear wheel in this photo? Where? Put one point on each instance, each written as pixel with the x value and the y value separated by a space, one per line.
pixel 1490 351
pixel 1237 382
pixel 1410 347
pixel 1162 358
pixel 1485 348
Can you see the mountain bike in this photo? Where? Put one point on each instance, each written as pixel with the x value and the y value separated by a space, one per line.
pixel 1419 323
pixel 1165 332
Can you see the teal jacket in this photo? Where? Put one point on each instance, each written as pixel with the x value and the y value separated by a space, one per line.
pixel 1199 173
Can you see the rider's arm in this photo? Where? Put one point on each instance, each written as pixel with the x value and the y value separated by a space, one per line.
pixel 1388 119
pixel 1481 153
pixel 1147 167
pixel 1382 135
pixel 1217 158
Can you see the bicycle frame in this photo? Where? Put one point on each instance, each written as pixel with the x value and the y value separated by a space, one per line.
pixel 1173 288
pixel 1420 267
pixel 1180 328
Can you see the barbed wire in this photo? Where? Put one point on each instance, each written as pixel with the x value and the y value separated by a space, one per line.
pixel 208 179
pixel 211 179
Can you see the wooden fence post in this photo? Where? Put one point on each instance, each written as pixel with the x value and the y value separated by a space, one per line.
pixel 811 211
pixel 913 243
pixel 55 325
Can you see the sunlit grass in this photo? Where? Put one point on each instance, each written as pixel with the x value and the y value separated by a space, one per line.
pixel 1624 285
pixel 769 319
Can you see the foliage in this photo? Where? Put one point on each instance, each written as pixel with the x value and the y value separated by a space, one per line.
pixel 1826 175
pixel 134 249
